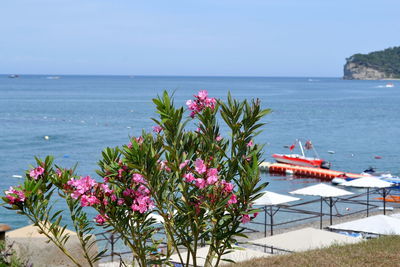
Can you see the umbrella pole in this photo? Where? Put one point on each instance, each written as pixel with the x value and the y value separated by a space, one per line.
pixel 320 222
pixel 367 201
pixel 384 201
pixel 272 221
pixel 265 221
pixel 330 209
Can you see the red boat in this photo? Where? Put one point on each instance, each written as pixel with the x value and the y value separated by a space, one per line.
pixel 302 160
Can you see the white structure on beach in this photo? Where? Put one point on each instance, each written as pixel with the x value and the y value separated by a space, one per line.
pixel 237 255
pixel 379 225
pixel 33 247
pixel 304 239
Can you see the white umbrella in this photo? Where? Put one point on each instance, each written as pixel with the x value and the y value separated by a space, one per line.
pixel 379 224
pixel 272 199
pixel 370 182
pixel 323 191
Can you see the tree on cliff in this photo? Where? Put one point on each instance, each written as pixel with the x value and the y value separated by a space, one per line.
pixel 387 61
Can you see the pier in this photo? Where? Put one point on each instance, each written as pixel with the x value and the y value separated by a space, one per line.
pixel 304 171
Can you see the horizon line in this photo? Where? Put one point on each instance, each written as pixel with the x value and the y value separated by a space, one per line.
pixel 167 75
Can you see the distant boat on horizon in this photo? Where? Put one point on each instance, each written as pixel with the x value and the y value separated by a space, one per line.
pixel 53 77
pixel 13 76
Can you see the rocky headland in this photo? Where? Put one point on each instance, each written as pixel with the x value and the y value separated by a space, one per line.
pixel 376 65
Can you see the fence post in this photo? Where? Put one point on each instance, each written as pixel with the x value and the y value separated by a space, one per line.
pixel 112 247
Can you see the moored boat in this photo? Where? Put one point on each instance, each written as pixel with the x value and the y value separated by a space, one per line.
pixel 302 160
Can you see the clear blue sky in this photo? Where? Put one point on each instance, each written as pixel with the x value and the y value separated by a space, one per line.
pixel 187 37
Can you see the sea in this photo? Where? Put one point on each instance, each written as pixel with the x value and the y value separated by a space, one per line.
pixel 352 124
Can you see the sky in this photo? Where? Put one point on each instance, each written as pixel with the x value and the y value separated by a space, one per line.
pixel 309 38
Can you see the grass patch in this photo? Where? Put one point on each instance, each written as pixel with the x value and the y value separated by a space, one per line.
pixel 384 251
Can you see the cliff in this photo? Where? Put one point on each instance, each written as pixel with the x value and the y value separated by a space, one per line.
pixel 377 65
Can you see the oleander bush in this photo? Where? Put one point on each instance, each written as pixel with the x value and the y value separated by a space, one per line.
pixel 184 177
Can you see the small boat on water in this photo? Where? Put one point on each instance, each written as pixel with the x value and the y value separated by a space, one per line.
pixel 13 76
pixel 389 85
pixel 302 160
pixel 53 77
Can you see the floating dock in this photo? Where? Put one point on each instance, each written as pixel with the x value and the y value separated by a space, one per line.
pixel 304 171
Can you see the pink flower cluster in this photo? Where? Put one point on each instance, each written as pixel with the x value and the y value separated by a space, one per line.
pixel 89 191
pixel 35 173
pixel 209 177
pixel 157 129
pixel 138 140
pixel 140 196
pixel 246 218
pixel 200 102
pixel 101 219
pixel 14 195
pixel 81 186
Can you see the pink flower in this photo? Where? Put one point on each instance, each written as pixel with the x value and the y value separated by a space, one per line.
pixel 143 190
pixel 183 164
pixel 137 178
pixel 203 95
pixel 58 172
pixel 232 200
pixel 81 186
pixel 245 218
pixel 201 102
pixel 212 176
pixel 89 200
pixel 191 105
pixel 164 166
pixel 218 138
pixel 139 140
pixel 228 187
pixel 255 215
pixel 128 192
pixel 249 144
pixel 212 172
pixel 130 145
pixel 142 204
pixel 14 195
pixel 200 183
pixel 100 219
pixel 113 197
pixel 106 190
pixel 212 180
pixel 189 177
pixel 35 173
pixel 199 166
pixel 120 201
pixel 157 129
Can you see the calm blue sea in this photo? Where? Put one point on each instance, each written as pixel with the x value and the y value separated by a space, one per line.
pixel 84 114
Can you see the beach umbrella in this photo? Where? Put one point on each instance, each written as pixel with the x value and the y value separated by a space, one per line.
pixel 370 182
pixel 379 224
pixel 323 191
pixel 270 199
